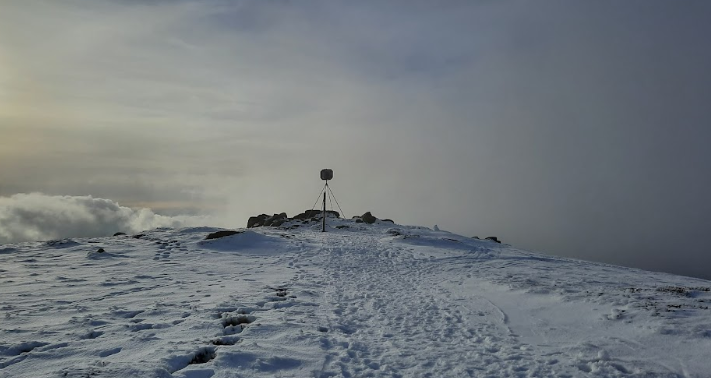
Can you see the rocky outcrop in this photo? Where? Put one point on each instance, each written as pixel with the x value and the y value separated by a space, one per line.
pixel 310 214
pixel 489 238
pixel 277 220
pixel 266 220
pixel 221 234
pixel 256 221
pixel 368 218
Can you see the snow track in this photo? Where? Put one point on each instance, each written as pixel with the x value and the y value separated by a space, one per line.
pixel 392 317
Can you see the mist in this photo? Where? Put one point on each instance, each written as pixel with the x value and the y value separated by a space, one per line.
pixel 577 129
pixel 35 216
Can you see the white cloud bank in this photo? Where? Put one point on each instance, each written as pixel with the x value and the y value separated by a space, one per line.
pixel 37 216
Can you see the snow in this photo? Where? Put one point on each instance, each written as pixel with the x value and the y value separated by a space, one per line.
pixel 361 300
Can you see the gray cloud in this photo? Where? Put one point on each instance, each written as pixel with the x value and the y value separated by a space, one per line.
pixel 572 128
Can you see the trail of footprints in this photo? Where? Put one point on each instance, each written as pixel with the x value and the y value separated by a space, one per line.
pixel 166 248
pixel 234 321
pixel 399 301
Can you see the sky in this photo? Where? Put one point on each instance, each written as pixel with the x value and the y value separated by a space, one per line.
pixel 578 129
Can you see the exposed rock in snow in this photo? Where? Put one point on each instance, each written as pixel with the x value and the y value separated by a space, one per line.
pixel 221 234
pixel 368 218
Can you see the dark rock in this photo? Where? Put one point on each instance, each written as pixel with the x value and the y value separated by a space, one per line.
pixel 493 238
pixel 278 220
pixel 100 250
pixel 388 220
pixel 359 220
pixel 475 237
pixel 119 233
pixel 308 214
pixel 368 218
pixel 275 220
pixel 257 221
pixel 138 236
pixel 342 226
pixel 253 221
pixel 316 213
pixel 221 234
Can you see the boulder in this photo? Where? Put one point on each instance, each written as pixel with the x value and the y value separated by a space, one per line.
pixel 493 238
pixel 119 233
pixel 221 234
pixel 310 214
pixel 275 220
pixel 257 221
pixel 368 218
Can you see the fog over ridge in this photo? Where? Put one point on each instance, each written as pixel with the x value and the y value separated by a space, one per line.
pixel 37 216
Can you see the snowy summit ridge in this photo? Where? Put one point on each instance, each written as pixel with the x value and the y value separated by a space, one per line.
pixel 361 300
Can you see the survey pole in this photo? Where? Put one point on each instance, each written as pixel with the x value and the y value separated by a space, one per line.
pixel 326 174
pixel 323 221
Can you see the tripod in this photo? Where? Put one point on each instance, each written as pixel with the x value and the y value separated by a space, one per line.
pixel 326 191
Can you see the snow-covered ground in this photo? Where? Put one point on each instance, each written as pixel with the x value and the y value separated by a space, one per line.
pixel 377 300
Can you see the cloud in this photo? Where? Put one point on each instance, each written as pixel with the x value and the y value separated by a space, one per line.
pixel 36 216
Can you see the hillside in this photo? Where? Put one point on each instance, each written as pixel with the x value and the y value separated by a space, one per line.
pixel 380 300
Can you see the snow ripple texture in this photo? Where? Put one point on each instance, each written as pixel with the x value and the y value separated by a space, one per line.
pixel 378 300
